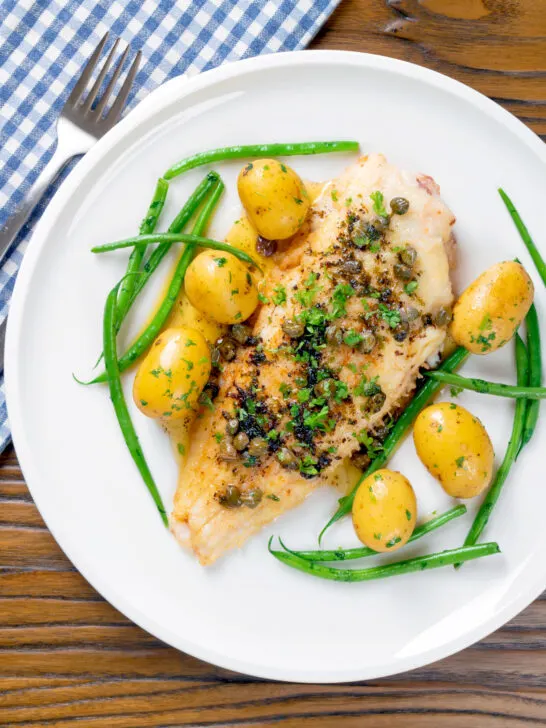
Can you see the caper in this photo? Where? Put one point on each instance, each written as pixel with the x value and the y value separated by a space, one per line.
pixel 240 441
pixel 228 348
pixel 360 460
pixel 367 343
pixel 412 314
pixel 287 458
pixel 334 335
pixel 232 426
pixel 351 266
pixel 257 446
pixel 227 451
pixel 215 357
pixel 399 205
pixel 292 328
pixel 241 333
pixel 381 223
pixel 400 333
pixel 266 247
pixel 376 402
pixel 442 316
pixel 231 497
pixel 364 232
pixel 210 392
pixel 408 256
pixel 252 498
pixel 403 272
pixel 381 432
pixel 323 388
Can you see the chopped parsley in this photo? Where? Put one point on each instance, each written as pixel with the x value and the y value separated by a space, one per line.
pixel 220 262
pixel 342 392
pixel 459 461
pixel 279 296
pixel 218 436
pixel 316 420
pixel 378 204
pixel 352 338
pixel 308 465
pixel 262 298
pixel 273 497
pixel 389 315
pixel 303 395
pixel 373 447
pixel 333 195
pixel 284 389
pixel 181 449
pixel 340 295
pixel 306 297
pixel 411 287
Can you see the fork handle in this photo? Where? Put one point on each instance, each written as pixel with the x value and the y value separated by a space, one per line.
pixel 49 174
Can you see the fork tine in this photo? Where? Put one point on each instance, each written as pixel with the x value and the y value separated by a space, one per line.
pixel 92 95
pixel 86 73
pixel 108 90
pixel 117 107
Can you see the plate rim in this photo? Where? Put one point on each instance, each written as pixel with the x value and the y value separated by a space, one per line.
pixel 157 99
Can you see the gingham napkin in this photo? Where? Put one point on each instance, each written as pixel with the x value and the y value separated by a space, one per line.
pixel 45 43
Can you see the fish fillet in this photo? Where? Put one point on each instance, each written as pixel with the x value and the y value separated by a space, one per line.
pixel 336 272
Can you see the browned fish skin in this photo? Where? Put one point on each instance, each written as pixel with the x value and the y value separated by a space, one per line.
pixel 350 319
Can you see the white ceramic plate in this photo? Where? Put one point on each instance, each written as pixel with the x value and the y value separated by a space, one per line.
pixel 248 612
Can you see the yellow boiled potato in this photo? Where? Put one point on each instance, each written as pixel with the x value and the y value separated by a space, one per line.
pixel 221 286
pixel 274 198
pixel 490 310
pixel 186 315
pixel 455 448
pixel 172 376
pixel 384 510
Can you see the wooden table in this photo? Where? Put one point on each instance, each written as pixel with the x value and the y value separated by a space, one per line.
pixel 68 658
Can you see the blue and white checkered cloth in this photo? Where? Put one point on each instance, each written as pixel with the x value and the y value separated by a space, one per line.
pixel 45 43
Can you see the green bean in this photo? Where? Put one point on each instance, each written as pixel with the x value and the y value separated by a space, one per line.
pixel 154 327
pixel 170 239
pixel 418 563
pixel 484 387
pixel 135 259
pixel 525 236
pixel 363 551
pixel 258 150
pixel 186 213
pixel 404 422
pixel 482 517
pixel 118 399
pixel 535 374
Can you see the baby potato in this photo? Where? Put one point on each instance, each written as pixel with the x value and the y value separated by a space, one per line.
pixel 455 448
pixel 221 286
pixel 384 510
pixel 490 310
pixel 172 376
pixel 274 198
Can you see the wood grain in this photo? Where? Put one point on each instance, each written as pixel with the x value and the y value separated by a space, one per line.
pixel 69 658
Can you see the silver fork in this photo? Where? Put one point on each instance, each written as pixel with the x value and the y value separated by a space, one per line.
pixel 78 128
